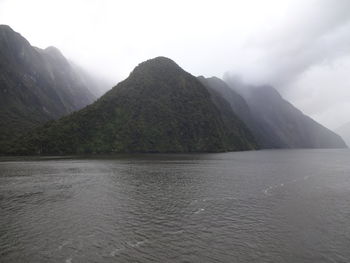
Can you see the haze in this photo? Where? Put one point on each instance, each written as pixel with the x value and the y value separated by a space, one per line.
pixel 300 47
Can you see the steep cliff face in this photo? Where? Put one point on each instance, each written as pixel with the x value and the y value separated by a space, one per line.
pixel 36 85
pixel 285 125
pixel 238 104
pixel 158 108
pixel 274 122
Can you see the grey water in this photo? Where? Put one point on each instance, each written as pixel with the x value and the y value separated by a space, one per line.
pixel 263 206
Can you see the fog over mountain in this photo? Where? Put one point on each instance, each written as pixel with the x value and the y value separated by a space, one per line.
pixel 299 47
pixel 38 85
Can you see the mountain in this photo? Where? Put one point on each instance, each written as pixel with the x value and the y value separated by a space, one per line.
pixel 95 84
pixel 344 132
pixel 274 122
pixel 158 108
pixel 237 103
pixel 284 126
pixel 36 85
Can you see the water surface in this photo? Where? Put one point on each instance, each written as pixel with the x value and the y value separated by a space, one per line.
pixel 263 206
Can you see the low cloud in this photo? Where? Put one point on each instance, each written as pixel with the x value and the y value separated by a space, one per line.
pixel 306 56
pixel 311 33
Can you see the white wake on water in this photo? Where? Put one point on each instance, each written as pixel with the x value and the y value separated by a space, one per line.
pixel 267 191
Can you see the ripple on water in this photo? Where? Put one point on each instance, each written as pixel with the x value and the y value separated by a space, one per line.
pixel 233 207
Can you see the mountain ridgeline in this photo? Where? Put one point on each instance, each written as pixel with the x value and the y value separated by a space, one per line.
pixel 274 122
pixel 158 108
pixel 36 85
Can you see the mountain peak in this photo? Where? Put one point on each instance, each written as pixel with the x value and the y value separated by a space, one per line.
pixel 159 60
pixel 36 85
pixel 158 65
pixel 6 32
pixel 158 108
pixel 53 50
pixel 6 28
pixel 55 53
pixel 12 41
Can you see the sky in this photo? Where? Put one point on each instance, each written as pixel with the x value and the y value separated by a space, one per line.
pixel 301 47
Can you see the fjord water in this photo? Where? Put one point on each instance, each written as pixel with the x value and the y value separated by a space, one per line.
pixel 261 206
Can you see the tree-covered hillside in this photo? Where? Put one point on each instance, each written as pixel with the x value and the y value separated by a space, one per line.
pixel 158 108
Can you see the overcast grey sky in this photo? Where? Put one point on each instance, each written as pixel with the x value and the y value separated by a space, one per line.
pixel 302 47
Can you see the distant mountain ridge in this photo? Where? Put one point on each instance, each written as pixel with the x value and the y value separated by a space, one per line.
pixel 344 132
pixel 158 108
pixel 274 122
pixel 237 103
pixel 36 85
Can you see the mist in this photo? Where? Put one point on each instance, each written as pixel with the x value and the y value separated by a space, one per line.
pixel 299 47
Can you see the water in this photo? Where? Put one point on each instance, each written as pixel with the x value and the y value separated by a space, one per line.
pixel 265 206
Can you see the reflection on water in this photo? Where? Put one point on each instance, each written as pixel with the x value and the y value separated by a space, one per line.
pixel 265 206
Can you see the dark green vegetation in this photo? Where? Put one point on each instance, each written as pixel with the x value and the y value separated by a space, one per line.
pixel 36 85
pixel 158 108
pixel 274 122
